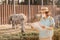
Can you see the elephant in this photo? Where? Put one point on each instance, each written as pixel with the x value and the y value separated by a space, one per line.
pixel 16 19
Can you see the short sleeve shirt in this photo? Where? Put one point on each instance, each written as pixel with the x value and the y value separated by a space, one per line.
pixel 46 22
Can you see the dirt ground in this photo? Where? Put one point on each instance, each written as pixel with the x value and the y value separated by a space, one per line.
pixel 7 28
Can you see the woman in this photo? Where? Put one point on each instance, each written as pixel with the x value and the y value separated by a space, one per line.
pixel 47 24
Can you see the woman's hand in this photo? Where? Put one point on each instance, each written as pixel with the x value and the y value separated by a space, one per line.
pixel 50 28
pixel 43 27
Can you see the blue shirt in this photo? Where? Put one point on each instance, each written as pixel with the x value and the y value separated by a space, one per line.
pixel 46 22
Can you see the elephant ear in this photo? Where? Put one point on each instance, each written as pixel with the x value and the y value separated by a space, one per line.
pixel 24 17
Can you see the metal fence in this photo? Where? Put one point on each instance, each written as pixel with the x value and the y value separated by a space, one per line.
pixel 7 10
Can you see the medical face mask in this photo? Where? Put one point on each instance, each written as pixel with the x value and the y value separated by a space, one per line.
pixel 43 15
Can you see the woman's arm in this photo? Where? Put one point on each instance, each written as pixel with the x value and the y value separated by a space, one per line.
pixel 50 28
pixel 52 25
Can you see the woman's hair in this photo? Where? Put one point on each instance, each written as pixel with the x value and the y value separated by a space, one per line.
pixel 49 13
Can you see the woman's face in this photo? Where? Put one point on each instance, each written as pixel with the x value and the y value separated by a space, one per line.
pixel 43 14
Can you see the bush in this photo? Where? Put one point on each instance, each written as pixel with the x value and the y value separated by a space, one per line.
pixel 56 34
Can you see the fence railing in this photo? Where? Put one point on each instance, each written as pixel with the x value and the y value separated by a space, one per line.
pixel 7 10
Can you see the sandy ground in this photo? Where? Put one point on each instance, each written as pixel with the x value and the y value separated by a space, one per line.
pixel 8 29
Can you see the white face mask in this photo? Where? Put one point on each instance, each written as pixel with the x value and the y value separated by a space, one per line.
pixel 43 15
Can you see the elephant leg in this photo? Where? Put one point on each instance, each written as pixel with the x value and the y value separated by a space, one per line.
pixel 16 26
pixel 13 25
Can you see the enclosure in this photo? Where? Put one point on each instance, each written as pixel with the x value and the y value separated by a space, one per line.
pixel 30 8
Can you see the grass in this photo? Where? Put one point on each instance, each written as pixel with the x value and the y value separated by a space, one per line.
pixel 27 36
pixel 19 36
